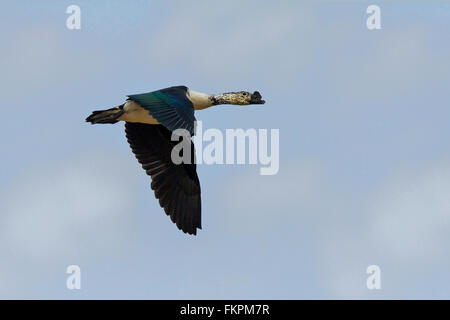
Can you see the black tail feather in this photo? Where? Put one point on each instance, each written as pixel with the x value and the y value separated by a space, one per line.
pixel 106 116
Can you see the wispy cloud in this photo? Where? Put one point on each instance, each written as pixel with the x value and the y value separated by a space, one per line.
pixel 402 225
pixel 77 212
pixel 235 40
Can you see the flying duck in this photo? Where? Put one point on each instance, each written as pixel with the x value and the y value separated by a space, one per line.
pixel 150 118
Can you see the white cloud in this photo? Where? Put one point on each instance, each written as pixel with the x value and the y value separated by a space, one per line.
pixel 265 202
pixel 394 63
pixel 411 215
pixel 78 212
pixel 235 40
pixel 39 58
pixel 403 226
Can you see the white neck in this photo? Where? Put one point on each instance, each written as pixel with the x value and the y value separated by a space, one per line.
pixel 199 100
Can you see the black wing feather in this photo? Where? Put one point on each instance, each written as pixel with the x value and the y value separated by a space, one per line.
pixel 177 187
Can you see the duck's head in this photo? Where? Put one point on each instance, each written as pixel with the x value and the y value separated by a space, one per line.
pixel 243 98
pixel 246 98
pixel 237 98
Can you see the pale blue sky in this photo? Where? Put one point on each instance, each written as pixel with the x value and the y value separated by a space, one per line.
pixel 364 150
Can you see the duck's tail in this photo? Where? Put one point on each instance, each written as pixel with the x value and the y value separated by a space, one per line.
pixel 106 116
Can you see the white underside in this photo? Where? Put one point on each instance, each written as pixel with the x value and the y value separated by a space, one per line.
pixel 135 113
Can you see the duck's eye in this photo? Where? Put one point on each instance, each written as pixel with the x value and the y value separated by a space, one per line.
pixel 245 93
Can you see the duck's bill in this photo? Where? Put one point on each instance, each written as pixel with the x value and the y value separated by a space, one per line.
pixel 256 98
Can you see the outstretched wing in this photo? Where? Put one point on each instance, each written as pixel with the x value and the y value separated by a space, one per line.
pixel 176 186
pixel 170 106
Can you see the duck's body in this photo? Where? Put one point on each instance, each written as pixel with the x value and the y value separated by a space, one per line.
pixel 134 112
pixel 150 120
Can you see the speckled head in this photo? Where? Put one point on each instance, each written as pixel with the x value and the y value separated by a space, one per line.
pixel 237 98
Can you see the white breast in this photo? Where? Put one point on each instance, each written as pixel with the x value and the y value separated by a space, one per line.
pixel 135 113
